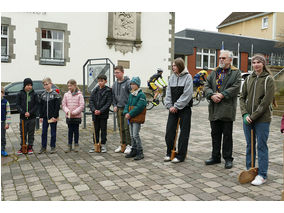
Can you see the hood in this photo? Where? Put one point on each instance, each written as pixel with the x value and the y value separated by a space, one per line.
pixel 185 71
pixel 125 79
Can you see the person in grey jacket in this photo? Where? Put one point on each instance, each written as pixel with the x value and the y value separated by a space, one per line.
pixel 222 88
pixel 178 101
pixel 120 93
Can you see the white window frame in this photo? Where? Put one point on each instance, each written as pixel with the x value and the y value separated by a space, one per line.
pixel 264 23
pixel 5 57
pixel 236 55
pixel 209 54
pixel 52 40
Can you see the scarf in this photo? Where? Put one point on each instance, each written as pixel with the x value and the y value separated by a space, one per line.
pixel 221 73
pixel 135 92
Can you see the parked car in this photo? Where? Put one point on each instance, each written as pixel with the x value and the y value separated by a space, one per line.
pixel 12 89
pixel 244 76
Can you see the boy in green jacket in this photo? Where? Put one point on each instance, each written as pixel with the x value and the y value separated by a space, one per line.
pixel 134 112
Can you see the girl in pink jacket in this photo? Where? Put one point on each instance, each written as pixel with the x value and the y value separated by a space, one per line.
pixel 73 105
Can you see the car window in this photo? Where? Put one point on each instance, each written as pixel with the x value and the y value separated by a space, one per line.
pixel 16 87
pixel 37 85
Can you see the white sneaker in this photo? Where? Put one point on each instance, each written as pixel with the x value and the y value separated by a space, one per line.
pixel 128 149
pixel 175 160
pixel 167 159
pixel 258 180
pixel 92 150
pixel 118 149
pixel 103 148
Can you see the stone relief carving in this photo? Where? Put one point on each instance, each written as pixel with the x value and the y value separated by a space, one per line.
pixel 124 31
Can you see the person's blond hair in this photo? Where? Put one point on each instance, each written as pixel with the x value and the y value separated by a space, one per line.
pixel 46 80
pixel 73 82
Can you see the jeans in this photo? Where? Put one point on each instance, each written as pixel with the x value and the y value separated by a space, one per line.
pixel 185 123
pixel 261 133
pixel 3 135
pixel 73 129
pixel 53 126
pixel 100 126
pixel 219 128
pixel 135 138
pixel 29 131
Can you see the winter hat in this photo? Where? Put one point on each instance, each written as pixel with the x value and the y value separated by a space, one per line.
pixel 259 58
pixel 27 81
pixel 136 80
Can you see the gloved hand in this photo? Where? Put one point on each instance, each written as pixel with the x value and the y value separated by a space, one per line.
pixel 245 119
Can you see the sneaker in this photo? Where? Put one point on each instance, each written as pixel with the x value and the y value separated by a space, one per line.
pixel 167 159
pixel 20 152
pixel 258 180
pixel 103 148
pixel 128 149
pixel 4 153
pixel 42 150
pixel 68 149
pixel 118 149
pixel 30 150
pixel 53 150
pixel 132 154
pixel 92 150
pixel 76 148
pixel 175 160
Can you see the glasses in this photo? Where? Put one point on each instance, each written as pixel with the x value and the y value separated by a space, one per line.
pixel 222 58
pixel 45 84
pixel 117 73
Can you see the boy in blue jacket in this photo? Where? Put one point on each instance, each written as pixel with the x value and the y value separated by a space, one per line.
pixel 134 112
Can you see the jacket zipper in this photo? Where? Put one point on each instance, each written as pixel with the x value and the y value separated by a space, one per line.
pixel 47 99
pixel 254 95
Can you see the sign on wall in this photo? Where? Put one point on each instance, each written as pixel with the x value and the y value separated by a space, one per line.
pixel 94 70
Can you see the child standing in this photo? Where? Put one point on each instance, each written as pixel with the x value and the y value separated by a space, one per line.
pixel 100 101
pixel 134 111
pixel 49 112
pixel 5 121
pixel 73 104
pixel 27 106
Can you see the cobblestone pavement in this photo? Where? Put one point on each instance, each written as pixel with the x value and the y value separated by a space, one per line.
pixel 110 176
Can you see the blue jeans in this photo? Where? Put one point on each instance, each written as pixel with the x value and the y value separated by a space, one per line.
pixel 261 133
pixel 53 126
pixel 135 138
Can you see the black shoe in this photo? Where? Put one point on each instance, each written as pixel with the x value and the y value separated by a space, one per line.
pixel 212 161
pixel 228 164
pixel 139 156
pixel 132 154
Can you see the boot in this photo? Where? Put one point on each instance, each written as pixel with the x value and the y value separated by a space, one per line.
pixel 132 153
pixel 69 148
pixel 76 148
pixel 139 155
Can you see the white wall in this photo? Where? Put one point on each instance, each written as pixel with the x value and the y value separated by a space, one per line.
pixel 87 40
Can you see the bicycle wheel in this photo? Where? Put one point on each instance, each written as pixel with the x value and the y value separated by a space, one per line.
pixel 196 98
pixel 149 98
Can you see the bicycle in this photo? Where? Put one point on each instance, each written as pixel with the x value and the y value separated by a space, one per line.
pixel 198 95
pixel 160 97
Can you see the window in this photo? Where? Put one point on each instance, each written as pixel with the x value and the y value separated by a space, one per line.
pixel 264 22
pixel 205 57
pixel 4 43
pixel 52 45
pixel 235 61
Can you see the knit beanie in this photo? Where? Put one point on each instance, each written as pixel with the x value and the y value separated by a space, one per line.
pixel 27 81
pixel 136 80
pixel 259 58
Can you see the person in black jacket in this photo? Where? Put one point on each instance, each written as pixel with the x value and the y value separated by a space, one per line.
pixel 49 106
pixel 27 106
pixel 100 101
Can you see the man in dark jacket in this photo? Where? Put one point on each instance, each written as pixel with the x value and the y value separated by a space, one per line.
pixel 100 101
pixel 27 106
pixel 222 88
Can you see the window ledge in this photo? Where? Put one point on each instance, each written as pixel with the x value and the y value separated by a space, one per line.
pixel 47 61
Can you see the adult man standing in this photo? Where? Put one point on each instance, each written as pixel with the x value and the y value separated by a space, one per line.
pixel 222 89
pixel 121 90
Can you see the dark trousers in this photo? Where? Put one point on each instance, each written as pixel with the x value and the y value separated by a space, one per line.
pixel 101 127
pixel 219 128
pixel 53 126
pixel 73 129
pixel 185 123
pixel 29 131
pixel 3 135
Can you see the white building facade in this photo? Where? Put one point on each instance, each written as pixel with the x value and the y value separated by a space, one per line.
pixel 56 45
